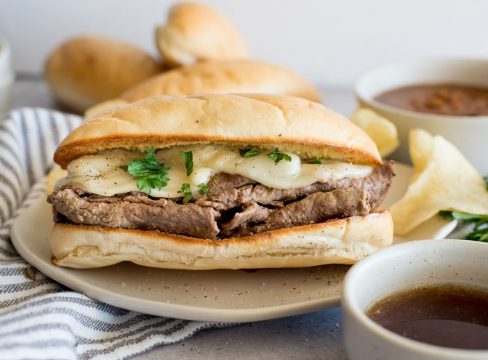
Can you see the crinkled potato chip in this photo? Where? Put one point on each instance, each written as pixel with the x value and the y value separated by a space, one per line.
pixel 54 175
pixel 381 130
pixel 443 180
pixel 105 105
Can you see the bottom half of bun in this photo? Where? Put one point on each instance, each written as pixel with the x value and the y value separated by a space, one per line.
pixel 339 241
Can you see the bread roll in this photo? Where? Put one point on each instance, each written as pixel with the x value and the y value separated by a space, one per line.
pixel 196 32
pixel 300 126
pixel 86 70
pixel 341 241
pixel 221 77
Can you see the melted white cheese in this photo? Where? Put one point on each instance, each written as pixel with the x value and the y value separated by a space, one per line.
pixel 102 174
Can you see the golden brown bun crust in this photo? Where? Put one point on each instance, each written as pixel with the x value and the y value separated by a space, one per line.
pixel 342 241
pixel 293 124
pixel 223 77
pixel 196 32
pixel 86 70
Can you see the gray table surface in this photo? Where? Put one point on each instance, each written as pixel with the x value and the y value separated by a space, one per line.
pixel 311 336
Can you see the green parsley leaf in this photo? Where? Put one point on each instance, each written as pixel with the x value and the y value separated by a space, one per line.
pixel 186 191
pixel 277 156
pixel 486 181
pixel 315 160
pixel 203 188
pixel 188 158
pixel 149 172
pixel 249 152
pixel 446 214
pixel 458 215
pixel 479 234
pixel 479 222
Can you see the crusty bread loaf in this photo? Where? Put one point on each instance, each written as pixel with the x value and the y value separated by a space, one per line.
pixel 293 124
pixel 342 241
pixel 86 70
pixel 195 32
pixel 223 77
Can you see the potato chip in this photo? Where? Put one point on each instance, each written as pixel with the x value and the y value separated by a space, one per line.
pixel 103 106
pixel 53 176
pixel 381 130
pixel 443 180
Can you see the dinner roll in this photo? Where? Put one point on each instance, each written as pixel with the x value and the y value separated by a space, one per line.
pixel 196 32
pixel 221 77
pixel 86 70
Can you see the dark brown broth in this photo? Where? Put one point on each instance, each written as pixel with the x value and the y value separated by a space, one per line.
pixel 441 99
pixel 444 315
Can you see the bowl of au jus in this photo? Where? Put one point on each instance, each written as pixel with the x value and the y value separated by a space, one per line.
pixel 425 299
pixel 448 97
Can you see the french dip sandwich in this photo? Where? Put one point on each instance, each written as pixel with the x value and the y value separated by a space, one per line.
pixel 219 182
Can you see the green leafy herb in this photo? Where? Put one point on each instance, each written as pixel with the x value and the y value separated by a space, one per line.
pixel 186 191
pixel 446 214
pixel 277 156
pixel 149 172
pixel 479 222
pixel 203 188
pixel 188 158
pixel 458 215
pixel 315 160
pixel 249 152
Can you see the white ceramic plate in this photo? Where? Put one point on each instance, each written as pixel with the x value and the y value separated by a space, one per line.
pixel 219 295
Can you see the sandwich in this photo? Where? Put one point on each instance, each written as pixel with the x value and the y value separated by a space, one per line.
pixel 219 182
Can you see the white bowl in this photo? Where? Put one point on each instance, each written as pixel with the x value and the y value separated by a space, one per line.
pixel 402 267
pixel 468 133
pixel 6 75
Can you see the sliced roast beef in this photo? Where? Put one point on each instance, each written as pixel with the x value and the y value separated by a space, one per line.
pixel 223 181
pixel 234 206
pixel 136 212
pixel 230 196
pixel 314 208
pixel 251 213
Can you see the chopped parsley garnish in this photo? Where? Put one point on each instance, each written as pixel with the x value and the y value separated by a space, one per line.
pixel 186 192
pixel 479 222
pixel 149 172
pixel 315 160
pixel 249 152
pixel 277 156
pixel 188 158
pixel 203 188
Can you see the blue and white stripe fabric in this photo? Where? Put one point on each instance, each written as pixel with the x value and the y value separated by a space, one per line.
pixel 39 318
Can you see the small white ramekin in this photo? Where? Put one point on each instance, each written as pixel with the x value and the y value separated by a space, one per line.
pixel 6 75
pixel 402 267
pixel 467 133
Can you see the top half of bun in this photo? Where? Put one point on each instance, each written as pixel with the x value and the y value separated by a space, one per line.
pixel 268 121
pixel 233 76
pixel 196 32
pixel 86 70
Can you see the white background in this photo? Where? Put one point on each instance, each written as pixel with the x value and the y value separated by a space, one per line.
pixel 329 42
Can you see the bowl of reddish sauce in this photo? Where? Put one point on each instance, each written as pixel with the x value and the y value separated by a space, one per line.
pixel 448 97
pixel 425 299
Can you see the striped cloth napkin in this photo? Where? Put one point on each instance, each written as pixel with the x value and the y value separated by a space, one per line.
pixel 39 318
